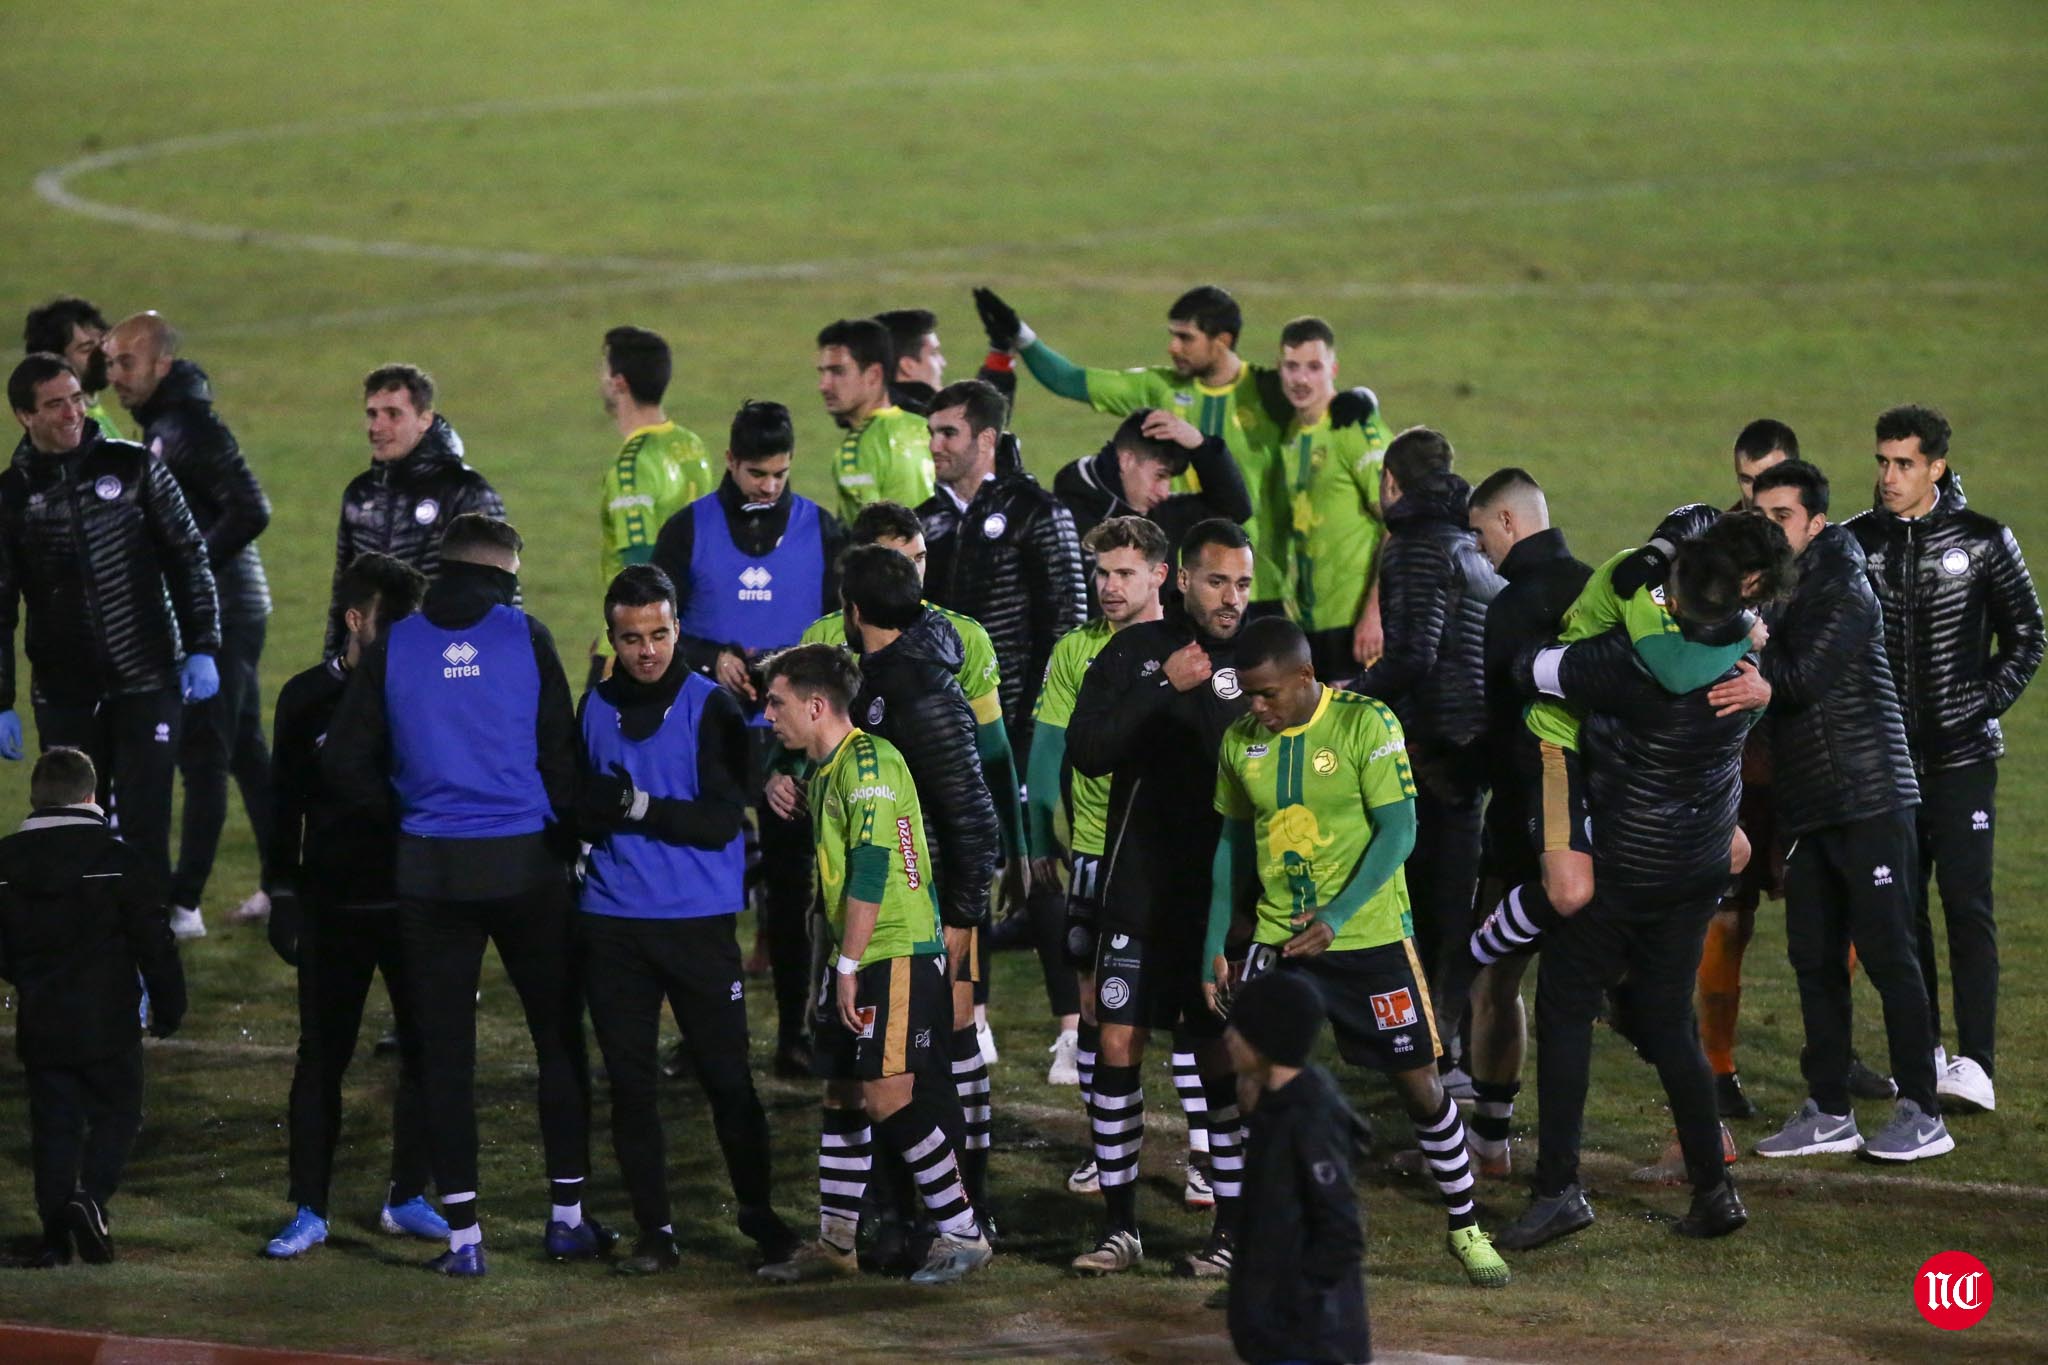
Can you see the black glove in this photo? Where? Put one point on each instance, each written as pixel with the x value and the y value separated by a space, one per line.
pixel 286 916
pixel 607 799
pixel 1081 938
pixel 1009 455
pixel 998 319
pixel 1644 568
pixel 1352 407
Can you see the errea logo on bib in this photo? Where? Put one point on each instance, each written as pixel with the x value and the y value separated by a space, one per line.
pixel 754 581
pixel 461 658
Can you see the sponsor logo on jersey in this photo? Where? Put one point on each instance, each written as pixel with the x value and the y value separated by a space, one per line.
pixel 754 581
pixel 996 524
pixel 1955 563
pixel 425 512
pixel 107 487
pixel 922 1039
pixel 1183 399
pixel 906 845
pixel 1256 750
pixel 1880 875
pixel 875 712
pixel 1394 1009
pixel 872 793
pixel 1224 680
pixel 461 657
pixel 1390 748
pixel 1404 1042
pixel 1325 761
pixel 1116 992
pixel 865 1014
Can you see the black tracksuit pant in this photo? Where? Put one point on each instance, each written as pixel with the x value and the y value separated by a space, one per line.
pixel 1653 936
pixel 1443 879
pixel 341 950
pixel 223 736
pixel 82 1123
pixel 789 878
pixel 1958 810
pixel 133 741
pixel 534 931
pixel 1849 884
pixel 630 967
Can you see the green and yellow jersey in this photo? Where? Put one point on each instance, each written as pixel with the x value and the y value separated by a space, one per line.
pixel 887 458
pixel 1087 797
pixel 1332 477
pixel 1310 794
pixel 1679 665
pixel 659 471
pixel 869 832
pixel 978 675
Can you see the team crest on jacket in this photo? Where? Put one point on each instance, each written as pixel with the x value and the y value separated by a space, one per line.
pixel 1225 683
pixel 107 486
pixel 1956 562
pixel 996 524
pixel 425 512
pixel 875 712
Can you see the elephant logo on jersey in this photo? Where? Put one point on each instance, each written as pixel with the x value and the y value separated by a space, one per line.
pixel 1295 833
pixel 1325 761
pixel 1226 685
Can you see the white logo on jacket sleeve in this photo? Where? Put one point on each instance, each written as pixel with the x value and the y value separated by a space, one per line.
pixel 875 711
pixel 754 581
pixel 1880 875
pixel 1955 562
pixel 996 524
pixel 107 487
pixel 461 657
pixel 425 512
pixel 1225 683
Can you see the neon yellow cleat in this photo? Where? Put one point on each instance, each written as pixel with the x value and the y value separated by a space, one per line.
pixel 1474 1250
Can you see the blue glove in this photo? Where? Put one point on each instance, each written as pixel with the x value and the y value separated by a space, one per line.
pixel 199 678
pixel 10 736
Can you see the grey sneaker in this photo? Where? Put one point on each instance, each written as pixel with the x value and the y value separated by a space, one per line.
pixel 952 1258
pixel 1115 1253
pixel 1912 1135
pixel 1810 1133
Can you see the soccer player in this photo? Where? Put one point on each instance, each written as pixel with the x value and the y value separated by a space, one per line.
pixel 1149 716
pixel 1331 476
pixel 1134 474
pixel 1318 808
pixel 334 915
pixel 172 401
pixel 884 453
pixel 661 469
pixel 920 366
pixel 663 806
pixel 73 328
pixel 882 1002
pixel 1963 632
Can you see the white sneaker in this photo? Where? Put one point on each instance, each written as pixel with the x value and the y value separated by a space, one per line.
pixel 254 910
pixel 1964 1083
pixel 186 923
pixel 1066 1060
pixel 985 1037
pixel 1086 1179
pixel 1940 1061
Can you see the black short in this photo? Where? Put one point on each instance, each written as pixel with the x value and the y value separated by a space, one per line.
pixel 1153 984
pixel 906 1006
pixel 1549 804
pixel 1378 1006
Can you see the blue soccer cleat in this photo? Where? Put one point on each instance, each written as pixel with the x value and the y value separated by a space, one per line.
pixel 465 1263
pixel 414 1218
pixel 588 1240
pixel 306 1231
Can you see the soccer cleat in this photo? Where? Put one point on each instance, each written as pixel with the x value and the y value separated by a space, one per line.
pixel 1488 1164
pixel 1473 1250
pixel 952 1258
pixel 87 1223
pixel 653 1254
pixel 414 1218
pixel 1066 1060
pixel 1547 1218
pixel 186 923
pixel 1812 1133
pixel 1716 1213
pixel 1086 1179
pixel 818 1260
pixel 1196 1192
pixel 1212 1262
pixel 1730 1099
pixel 463 1263
pixel 1912 1135
pixel 985 1039
pixel 587 1241
pixel 254 910
pixel 1965 1083
pixel 1669 1169
pixel 306 1231
pixel 1117 1252
pixel 764 1227
pixel 1866 1084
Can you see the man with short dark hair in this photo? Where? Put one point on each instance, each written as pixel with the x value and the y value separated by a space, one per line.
pixel 73 328
pixel 1136 472
pixel 1758 446
pixel 1963 631
pixel 1845 798
pixel 416 485
pixel 173 401
pixel 99 544
pixel 661 469
pixel 883 455
pixel 663 807
pixel 334 914
pixel 460 719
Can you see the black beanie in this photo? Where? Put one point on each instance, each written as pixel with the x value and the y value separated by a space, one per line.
pixel 1279 1014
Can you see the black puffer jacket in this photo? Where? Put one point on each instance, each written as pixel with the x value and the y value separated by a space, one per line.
pixel 1837 734
pixel 1664 773
pixel 1011 561
pixel 909 696
pixel 1951 583
pixel 1092 488
pixel 1435 588
pixel 101 544
pixel 1543 580
pixel 402 507
pixel 181 428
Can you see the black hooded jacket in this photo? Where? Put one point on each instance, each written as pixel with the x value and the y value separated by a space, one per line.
pixel 101 545
pixel 1543 580
pixel 1836 732
pixel 402 508
pixel 909 696
pixel 1952 584
pixel 320 847
pixel 180 427
pixel 1092 489
pixel 1435 588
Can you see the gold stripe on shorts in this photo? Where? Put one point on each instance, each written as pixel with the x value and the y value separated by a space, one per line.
pixel 896 1034
pixel 1557 800
pixel 1436 1043
pixel 973 955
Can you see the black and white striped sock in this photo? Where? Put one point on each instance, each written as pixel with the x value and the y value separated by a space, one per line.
pixel 1521 918
pixel 565 1201
pixel 970 1082
pixel 1194 1103
pixel 1493 1113
pixel 845 1158
pixel 1087 1038
pixel 460 1211
pixel 1116 1113
pixel 914 1132
pixel 1443 1146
